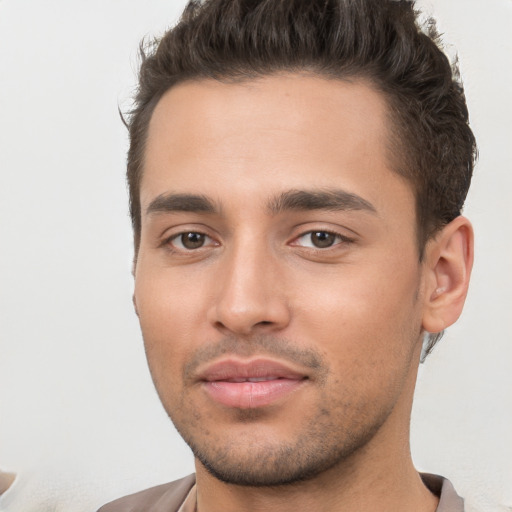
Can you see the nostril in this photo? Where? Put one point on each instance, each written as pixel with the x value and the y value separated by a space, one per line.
pixel 243 316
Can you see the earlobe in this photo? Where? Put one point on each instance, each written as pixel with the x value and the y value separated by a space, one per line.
pixel 449 260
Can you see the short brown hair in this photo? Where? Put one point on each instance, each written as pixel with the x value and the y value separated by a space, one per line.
pixel 380 41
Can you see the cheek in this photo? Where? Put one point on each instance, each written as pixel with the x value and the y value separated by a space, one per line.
pixel 365 335
pixel 170 314
pixel 367 313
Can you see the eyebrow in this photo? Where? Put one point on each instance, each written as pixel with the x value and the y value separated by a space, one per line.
pixel 168 203
pixel 298 200
pixel 323 199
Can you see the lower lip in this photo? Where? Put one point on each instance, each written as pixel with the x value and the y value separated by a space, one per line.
pixel 249 395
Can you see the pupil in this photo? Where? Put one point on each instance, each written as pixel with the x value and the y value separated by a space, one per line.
pixel 322 239
pixel 192 240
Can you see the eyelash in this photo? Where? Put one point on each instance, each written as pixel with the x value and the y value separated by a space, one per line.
pixel 168 241
pixel 339 240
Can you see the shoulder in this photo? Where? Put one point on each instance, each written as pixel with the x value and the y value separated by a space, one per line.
pixel 450 501
pixel 162 498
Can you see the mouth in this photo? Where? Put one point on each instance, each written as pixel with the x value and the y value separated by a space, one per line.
pixel 250 384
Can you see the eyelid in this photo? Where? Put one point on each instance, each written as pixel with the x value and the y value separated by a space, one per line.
pixel 179 238
pixel 167 240
pixel 341 239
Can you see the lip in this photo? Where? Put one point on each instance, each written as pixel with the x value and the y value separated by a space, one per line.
pixel 250 384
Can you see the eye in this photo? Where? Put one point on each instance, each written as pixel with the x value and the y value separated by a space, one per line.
pixel 190 240
pixel 320 239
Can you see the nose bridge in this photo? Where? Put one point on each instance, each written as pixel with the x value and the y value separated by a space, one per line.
pixel 250 295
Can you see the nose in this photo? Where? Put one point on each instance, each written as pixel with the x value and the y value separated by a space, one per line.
pixel 250 293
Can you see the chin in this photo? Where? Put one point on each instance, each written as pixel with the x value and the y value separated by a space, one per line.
pixel 252 462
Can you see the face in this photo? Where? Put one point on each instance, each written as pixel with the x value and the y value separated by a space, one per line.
pixel 278 281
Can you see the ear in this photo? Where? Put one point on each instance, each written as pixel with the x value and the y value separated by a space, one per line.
pixel 448 260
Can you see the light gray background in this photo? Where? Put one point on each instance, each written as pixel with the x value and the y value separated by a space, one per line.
pixel 79 417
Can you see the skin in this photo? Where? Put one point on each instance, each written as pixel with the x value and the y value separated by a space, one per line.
pixel 349 317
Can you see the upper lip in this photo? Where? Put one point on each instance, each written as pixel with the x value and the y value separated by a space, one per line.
pixel 234 370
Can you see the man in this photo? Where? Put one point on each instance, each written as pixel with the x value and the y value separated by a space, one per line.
pixel 297 171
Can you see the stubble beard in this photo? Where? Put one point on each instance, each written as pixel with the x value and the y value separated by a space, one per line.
pixel 321 445
pixel 328 437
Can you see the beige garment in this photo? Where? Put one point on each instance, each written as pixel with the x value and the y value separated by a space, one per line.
pixel 162 498
pixel 180 496
pixel 190 503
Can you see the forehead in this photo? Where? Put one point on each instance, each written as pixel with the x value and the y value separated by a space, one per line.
pixel 276 132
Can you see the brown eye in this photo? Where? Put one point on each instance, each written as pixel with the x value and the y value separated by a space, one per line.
pixel 322 239
pixel 190 240
pixel 319 239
